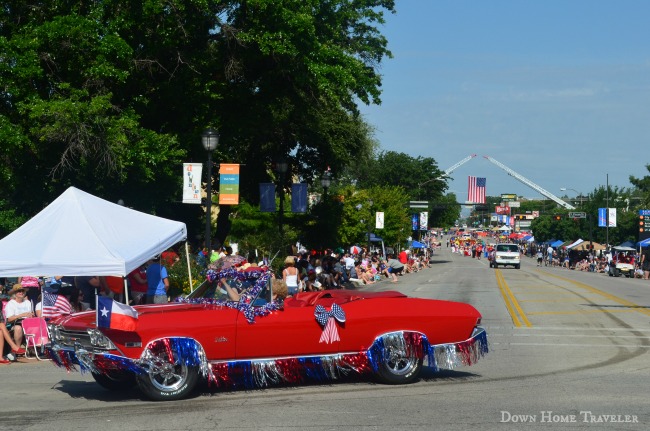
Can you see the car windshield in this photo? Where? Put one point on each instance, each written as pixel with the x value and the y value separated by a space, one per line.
pixel 512 248
pixel 212 291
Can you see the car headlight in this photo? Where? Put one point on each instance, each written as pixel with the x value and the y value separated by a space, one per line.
pixel 97 339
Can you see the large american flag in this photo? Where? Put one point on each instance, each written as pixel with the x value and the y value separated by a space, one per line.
pixel 55 305
pixel 476 190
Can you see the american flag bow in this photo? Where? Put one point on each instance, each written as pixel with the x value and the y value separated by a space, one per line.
pixel 322 315
pixel 327 320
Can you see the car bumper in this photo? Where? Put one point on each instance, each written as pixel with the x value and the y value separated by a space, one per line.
pixel 79 358
pixel 463 353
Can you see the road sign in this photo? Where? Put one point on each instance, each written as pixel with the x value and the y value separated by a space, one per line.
pixel 578 215
pixel 418 204
pixel 514 204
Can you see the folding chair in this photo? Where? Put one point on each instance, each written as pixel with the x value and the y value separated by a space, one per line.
pixel 36 336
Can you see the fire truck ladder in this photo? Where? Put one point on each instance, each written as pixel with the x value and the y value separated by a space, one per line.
pixel 451 169
pixel 531 184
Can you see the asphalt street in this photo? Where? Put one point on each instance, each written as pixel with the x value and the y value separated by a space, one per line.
pixel 568 350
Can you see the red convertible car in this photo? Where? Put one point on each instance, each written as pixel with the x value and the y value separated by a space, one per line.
pixel 257 342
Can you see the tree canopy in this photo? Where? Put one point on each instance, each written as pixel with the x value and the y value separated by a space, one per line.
pixel 112 96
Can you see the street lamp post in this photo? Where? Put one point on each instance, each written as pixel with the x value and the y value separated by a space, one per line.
pixel 281 167
pixel 210 140
pixel 580 196
pixel 326 182
pixel 442 178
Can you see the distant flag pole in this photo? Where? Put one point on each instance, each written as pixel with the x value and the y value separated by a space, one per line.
pixel 476 190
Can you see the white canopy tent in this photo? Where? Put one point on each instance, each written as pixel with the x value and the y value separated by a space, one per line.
pixel 576 243
pixel 81 234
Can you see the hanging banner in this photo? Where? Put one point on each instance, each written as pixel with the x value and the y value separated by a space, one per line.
pixel 602 217
pixel 379 220
pixel 415 218
pixel 299 197
pixel 267 197
pixel 424 220
pixel 228 184
pixel 612 217
pixel 192 183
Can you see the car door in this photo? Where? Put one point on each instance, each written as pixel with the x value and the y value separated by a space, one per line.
pixel 290 332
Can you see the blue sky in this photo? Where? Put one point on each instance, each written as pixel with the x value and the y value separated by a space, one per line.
pixel 558 91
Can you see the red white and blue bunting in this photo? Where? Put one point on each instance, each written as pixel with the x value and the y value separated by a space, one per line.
pixel 268 372
pixel 261 278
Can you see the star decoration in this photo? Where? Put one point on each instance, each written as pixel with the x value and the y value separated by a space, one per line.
pixel 104 312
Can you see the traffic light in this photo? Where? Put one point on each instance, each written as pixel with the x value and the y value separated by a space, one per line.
pixel 557 217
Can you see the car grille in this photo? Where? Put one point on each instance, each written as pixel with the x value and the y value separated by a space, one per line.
pixel 71 338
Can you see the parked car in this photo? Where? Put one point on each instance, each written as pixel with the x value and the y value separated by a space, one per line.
pixel 257 341
pixel 622 262
pixel 506 254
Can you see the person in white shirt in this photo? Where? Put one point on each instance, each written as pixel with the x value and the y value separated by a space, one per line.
pixel 17 309
pixel 549 256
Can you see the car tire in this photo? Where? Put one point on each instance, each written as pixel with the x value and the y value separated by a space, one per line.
pixel 517 266
pixel 168 382
pixel 397 369
pixel 116 381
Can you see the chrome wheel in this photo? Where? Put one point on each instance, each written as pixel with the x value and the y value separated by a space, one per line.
pixel 400 363
pixel 168 377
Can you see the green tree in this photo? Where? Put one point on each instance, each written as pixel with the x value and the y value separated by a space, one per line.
pixel 419 176
pixel 642 186
pixel 444 212
pixel 112 96
pixel 358 215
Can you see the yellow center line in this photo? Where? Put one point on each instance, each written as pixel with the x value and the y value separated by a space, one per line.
pixel 548 300
pixel 539 313
pixel 635 307
pixel 511 302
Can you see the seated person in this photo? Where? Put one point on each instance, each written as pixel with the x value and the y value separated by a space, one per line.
pixel 5 336
pixel 280 290
pixel 233 294
pixel 311 283
pixel 17 309
pixel 393 267
pixel 363 274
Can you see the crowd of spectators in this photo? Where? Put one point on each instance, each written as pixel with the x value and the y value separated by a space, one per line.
pixel 332 270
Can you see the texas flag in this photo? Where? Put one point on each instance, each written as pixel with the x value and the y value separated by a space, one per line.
pixel 115 315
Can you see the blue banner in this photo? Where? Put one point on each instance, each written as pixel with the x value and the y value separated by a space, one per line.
pixel 267 197
pixel 299 198
pixel 415 221
pixel 602 217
